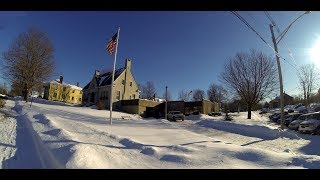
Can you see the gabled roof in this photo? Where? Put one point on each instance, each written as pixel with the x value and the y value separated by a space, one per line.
pixel 106 78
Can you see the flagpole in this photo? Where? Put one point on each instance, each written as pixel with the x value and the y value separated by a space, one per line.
pixel 114 67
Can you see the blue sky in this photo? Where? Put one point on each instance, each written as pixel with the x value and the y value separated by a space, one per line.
pixel 184 50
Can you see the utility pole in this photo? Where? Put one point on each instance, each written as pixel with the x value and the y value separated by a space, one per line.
pixel 275 43
pixel 166 108
pixel 280 76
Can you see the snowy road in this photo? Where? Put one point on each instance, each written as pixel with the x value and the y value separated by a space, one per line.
pixel 60 136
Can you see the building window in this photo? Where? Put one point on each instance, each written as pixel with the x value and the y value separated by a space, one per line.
pixel 134 96
pixel 118 95
pixel 63 96
pixel 73 91
pixel 123 81
pixel 79 99
pixel 107 95
pixel 54 95
pixel 131 84
pixel 64 88
pixel 72 98
pixel 101 95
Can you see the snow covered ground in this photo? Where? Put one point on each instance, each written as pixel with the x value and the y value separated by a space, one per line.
pixel 57 135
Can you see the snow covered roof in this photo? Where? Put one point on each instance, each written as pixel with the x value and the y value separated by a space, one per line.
pixel 57 81
pixel 106 78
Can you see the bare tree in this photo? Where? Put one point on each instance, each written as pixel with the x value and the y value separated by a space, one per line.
pixel 308 74
pixel 29 60
pixel 252 76
pixel 184 95
pixel 216 93
pixel 198 95
pixel 17 88
pixel 148 91
pixel 169 97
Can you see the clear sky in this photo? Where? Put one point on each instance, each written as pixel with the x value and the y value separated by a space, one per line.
pixel 184 50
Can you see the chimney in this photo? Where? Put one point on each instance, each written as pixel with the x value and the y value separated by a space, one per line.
pixel 61 79
pixel 97 73
pixel 78 84
pixel 128 64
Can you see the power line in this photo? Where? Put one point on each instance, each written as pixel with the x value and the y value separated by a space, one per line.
pixel 248 25
pixel 290 53
pixel 254 20
pixel 272 21
pixel 278 30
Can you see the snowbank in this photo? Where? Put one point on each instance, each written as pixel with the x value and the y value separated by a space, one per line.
pixel 58 136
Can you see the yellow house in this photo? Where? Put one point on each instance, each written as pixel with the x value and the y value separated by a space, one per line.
pixel 57 90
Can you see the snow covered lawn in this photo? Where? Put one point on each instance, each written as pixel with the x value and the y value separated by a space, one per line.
pixel 57 135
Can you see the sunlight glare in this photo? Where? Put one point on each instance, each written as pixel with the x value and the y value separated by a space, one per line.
pixel 315 53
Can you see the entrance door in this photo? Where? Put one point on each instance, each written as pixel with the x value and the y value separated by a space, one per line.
pixel 92 97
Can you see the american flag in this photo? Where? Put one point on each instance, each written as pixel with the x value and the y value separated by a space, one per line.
pixel 112 44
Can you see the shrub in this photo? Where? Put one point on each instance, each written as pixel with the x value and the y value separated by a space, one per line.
pixel 100 105
pixel 2 102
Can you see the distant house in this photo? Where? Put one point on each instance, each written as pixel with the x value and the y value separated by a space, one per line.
pixel 57 90
pixel 98 89
pixel 275 103
pixel 149 108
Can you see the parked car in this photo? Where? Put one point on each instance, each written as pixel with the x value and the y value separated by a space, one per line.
pixel 175 115
pixel 228 117
pixel 276 117
pixel 216 114
pixel 301 109
pixel 285 117
pixel 317 109
pixel 291 118
pixel 263 111
pixel 295 124
pixel 290 110
pixel 311 125
pixel 298 105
